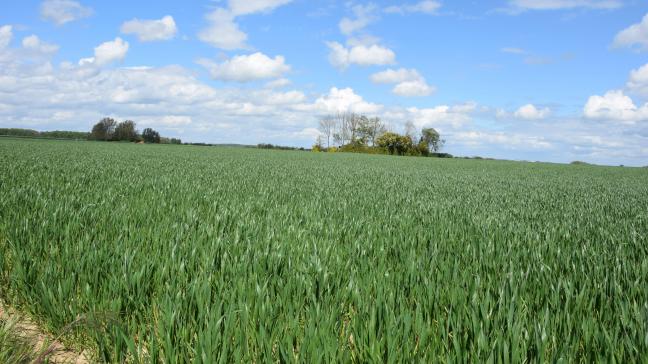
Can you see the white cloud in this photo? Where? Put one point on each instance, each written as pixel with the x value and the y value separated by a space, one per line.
pixel 364 15
pixel 246 68
pixel 413 88
pixel 409 82
pixel 282 98
pixel 171 98
pixel 107 52
pixel 634 35
pixel 363 55
pixel 530 112
pixel 6 35
pixel 307 133
pixel 244 7
pixel 638 81
pixel 507 140
pixel 222 31
pixel 395 76
pixel 33 43
pixel 425 7
pixel 615 106
pixel 364 40
pixel 278 83
pixel 151 30
pixel 175 120
pixel 63 11
pixel 564 4
pixel 442 115
pixel 342 100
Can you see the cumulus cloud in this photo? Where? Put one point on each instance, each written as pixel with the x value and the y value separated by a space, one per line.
pixel 151 30
pixel 638 80
pixel 107 52
pixel 245 68
pixel 63 11
pixel 363 55
pixel 507 140
pixel 441 116
pixel 223 32
pixel 564 4
pixel 408 82
pixel 6 34
pixel 413 88
pixel 307 133
pixel 33 43
pixel 342 100
pixel 634 35
pixel 175 120
pixel 531 112
pixel 364 15
pixel 36 94
pixel 168 121
pixel 278 83
pixel 282 98
pixel 395 76
pixel 615 106
pixel 426 7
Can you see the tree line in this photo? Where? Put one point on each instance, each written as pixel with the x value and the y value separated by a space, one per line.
pixel 56 134
pixel 107 129
pixel 278 147
pixel 351 132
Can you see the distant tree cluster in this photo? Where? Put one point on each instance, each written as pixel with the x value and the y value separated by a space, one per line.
pixel 150 136
pixel 57 134
pixel 170 141
pixel 107 129
pixel 350 132
pixel 279 147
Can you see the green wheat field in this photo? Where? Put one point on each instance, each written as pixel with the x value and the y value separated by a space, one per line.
pixel 181 254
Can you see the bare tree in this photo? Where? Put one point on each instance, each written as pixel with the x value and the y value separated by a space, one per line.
pixel 327 128
pixel 347 126
pixel 342 132
pixel 410 130
pixel 354 121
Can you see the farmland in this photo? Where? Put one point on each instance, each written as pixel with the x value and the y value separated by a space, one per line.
pixel 180 253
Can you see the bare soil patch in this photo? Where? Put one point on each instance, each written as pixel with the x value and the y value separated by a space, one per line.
pixel 45 346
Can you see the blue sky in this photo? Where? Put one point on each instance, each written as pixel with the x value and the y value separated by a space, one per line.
pixel 549 80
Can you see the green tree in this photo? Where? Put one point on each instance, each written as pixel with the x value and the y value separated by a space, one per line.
pixel 126 131
pixel 150 136
pixel 431 139
pixel 104 129
pixel 395 143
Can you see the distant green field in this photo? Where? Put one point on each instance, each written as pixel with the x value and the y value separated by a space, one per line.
pixel 226 255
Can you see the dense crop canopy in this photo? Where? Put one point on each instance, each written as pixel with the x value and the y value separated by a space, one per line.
pixel 243 255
